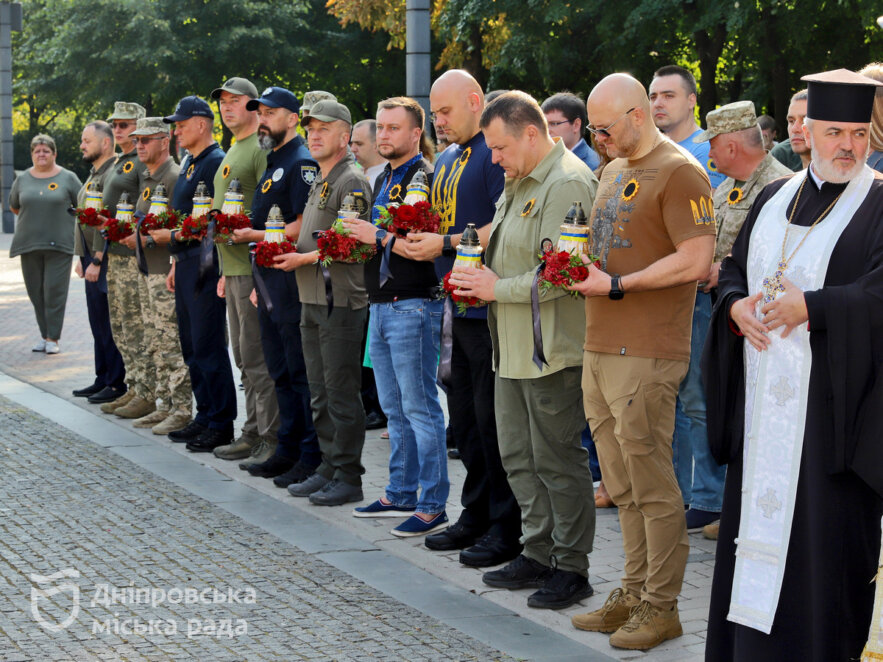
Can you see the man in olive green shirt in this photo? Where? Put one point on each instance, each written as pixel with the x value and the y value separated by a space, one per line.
pixel 122 274
pixel 538 408
pixel 246 162
pixel 97 147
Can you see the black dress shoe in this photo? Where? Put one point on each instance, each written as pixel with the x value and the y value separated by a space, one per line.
pixel 490 550
pixel 453 453
pixel 210 440
pixel 563 589
pixel 86 392
pixel 188 433
pixel 107 394
pixel 375 421
pixel 297 474
pixel 456 536
pixel 521 573
pixel 275 466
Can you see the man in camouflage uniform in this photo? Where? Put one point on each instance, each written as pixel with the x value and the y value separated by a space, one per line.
pixel 737 150
pixel 122 274
pixel 311 98
pixel 167 377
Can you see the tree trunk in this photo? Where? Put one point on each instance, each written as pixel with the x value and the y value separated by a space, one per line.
pixel 709 48
pixel 778 71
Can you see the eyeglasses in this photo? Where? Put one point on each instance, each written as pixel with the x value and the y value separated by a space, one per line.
pixel 121 125
pixel 559 123
pixel 138 140
pixel 606 131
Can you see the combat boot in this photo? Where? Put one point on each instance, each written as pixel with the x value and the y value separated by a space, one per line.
pixel 239 449
pixel 122 401
pixel 609 618
pixel 262 452
pixel 151 419
pixel 174 421
pixel 137 408
pixel 648 626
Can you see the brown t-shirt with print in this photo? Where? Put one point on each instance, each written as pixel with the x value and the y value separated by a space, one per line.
pixel 644 208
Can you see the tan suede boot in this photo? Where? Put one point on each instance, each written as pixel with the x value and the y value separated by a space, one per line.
pixel 647 627
pixel 261 452
pixel 239 449
pixel 609 618
pixel 174 421
pixel 122 401
pixel 151 419
pixel 137 408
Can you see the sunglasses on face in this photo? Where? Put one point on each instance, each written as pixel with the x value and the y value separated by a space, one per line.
pixel 121 125
pixel 144 140
pixel 606 130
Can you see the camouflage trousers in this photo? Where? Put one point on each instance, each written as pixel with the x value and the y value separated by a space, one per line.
pixel 170 377
pixel 126 323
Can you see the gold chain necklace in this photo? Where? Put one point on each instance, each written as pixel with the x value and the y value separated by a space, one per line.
pixel 772 286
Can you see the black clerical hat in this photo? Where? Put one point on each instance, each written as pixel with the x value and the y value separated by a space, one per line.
pixel 840 96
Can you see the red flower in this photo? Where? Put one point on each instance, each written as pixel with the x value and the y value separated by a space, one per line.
pixel 337 245
pixel 561 269
pixel 403 219
pixel 115 230
pixel 90 216
pixel 226 223
pixel 167 220
pixel 462 303
pixel 194 228
pixel 265 251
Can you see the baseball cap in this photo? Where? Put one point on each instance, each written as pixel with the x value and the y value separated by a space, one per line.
pixel 236 85
pixel 189 107
pixel 276 97
pixel 328 111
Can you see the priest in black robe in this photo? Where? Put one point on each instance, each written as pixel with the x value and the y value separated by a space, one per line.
pixel 824 607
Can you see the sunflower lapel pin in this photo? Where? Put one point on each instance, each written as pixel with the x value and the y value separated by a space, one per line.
pixel 734 196
pixel 528 207
pixel 323 195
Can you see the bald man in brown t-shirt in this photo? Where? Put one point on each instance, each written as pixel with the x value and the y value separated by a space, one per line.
pixel 653 230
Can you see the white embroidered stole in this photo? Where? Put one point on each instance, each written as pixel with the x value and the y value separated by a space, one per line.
pixel 776 389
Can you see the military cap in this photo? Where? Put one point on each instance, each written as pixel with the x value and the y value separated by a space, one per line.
pixel 840 96
pixel 734 116
pixel 236 85
pixel 126 110
pixel 190 107
pixel 148 126
pixel 328 111
pixel 313 97
pixel 275 97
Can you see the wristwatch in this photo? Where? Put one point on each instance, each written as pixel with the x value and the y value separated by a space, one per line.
pixel 616 292
pixel 150 243
pixel 379 237
pixel 173 236
pixel 96 262
pixel 447 249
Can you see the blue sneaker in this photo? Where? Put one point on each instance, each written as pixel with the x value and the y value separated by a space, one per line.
pixel 417 526
pixel 380 509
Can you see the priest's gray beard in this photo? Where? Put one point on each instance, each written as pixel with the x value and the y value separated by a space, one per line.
pixel 828 171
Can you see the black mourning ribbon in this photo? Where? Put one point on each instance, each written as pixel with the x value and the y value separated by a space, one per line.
pixel 326 276
pixel 206 253
pixel 539 358
pixel 447 344
pixel 259 283
pixel 139 248
pixel 385 271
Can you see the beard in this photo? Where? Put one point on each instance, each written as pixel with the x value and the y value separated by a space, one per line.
pixel 269 140
pixel 830 172
pixel 91 157
pixel 389 152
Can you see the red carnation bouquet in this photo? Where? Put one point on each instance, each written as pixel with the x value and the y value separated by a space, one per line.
pixel 226 223
pixel 265 251
pixel 167 220
pixel 194 229
pixel 338 245
pixel 90 216
pixel 402 219
pixel 116 230
pixel 561 268
pixel 462 303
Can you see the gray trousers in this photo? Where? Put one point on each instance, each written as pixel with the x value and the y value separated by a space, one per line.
pixel 261 406
pixel 539 422
pixel 332 352
pixel 47 276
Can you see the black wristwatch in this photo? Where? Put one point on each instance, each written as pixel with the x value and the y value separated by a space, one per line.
pixel 96 262
pixel 616 292
pixel 379 237
pixel 151 242
pixel 447 249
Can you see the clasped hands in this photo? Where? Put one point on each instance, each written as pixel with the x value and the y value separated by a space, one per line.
pixel 787 310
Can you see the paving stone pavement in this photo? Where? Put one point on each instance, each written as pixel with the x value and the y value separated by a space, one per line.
pixel 59 374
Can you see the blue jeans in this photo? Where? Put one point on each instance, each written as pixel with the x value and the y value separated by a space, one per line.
pixel 404 350
pixel 701 478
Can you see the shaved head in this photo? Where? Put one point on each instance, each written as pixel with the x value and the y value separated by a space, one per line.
pixel 456 101
pixel 618 108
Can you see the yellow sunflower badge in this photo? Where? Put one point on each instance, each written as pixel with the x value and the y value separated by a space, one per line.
pixel 711 165
pixel 734 196
pixel 190 171
pixel 266 186
pixel 146 194
pixel 395 192
pixel 52 186
pixel 225 172
pixel 528 206
pixel 127 168
pixel 630 190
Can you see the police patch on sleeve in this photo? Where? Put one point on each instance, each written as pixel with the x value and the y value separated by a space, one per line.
pixel 308 173
pixel 277 174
